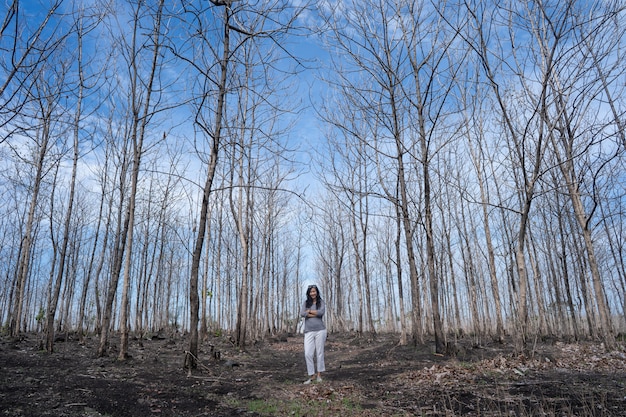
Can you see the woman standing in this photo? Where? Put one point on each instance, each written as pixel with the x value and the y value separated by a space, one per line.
pixel 313 311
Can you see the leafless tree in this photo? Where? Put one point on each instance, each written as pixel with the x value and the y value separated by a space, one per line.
pixel 471 178
pixel 476 105
pixel 240 24
pixel 28 51
pixel 141 110
pixel 524 129
pixel 399 65
pixel 211 126
pixel 25 95
pixel 577 142
pixel 330 241
pixel 46 89
pixel 84 24
pixel 533 91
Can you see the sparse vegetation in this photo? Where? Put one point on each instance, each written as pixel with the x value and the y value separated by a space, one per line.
pixel 367 377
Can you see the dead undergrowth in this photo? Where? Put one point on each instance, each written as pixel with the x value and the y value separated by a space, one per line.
pixel 366 376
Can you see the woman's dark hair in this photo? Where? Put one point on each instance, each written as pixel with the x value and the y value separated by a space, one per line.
pixel 309 299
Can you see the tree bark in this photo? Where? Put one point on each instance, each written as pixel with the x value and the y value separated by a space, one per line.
pixel 194 302
pixel 141 116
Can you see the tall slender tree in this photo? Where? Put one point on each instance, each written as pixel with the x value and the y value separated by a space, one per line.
pixel 141 110
pixel 84 24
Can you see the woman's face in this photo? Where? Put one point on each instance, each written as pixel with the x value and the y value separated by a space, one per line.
pixel 313 293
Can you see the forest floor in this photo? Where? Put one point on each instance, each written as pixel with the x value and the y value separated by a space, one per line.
pixel 366 376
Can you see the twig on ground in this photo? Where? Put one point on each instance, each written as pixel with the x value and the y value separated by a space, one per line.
pixel 197 360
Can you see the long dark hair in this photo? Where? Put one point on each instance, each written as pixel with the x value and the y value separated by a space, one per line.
pixel 309 299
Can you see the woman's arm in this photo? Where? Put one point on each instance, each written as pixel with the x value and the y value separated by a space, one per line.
pixel 304 312
pixel 319 312
pixel 322 310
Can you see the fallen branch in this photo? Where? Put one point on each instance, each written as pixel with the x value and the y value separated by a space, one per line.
pixel 197 361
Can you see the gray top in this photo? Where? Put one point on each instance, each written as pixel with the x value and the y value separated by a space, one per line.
pixel 313 324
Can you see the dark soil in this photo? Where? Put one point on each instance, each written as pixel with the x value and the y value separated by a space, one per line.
pixel 366 376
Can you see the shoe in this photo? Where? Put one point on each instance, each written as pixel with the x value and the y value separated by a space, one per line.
pixel 308 381
pixel 318 379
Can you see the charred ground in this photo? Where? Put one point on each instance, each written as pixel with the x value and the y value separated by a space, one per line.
pixel 367 376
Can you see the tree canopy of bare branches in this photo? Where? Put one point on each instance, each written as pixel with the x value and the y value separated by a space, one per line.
pixel 440 169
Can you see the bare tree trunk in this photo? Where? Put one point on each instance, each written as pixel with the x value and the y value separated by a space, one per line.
pixel 619 261
pixel 565 273
pixel 418 336
pixel 456 320
pixel 470 276
pixel 92 259
pixel 118 250
pixel 430 255
pixel 522 299
pixel 204 294
pixel 52 306
pixel 133 149
pixel 606 328
pixel 366 273
pixel 530 159
pixel 357 265
pixel 99 306
pixel 542 314
pixel 141 116
pixel 194 303
pixel 240 205
pixel 23 270
pixel 561 325
pixel 495 292
pixel 403 325
pixel 218 284
pixel 28 55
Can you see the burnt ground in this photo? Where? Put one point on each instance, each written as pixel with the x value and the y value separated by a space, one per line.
pixel 366 376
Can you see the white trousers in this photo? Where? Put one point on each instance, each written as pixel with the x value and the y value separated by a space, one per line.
pixel 314 347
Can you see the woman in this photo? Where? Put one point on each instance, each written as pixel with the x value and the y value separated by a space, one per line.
pixel 313 311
